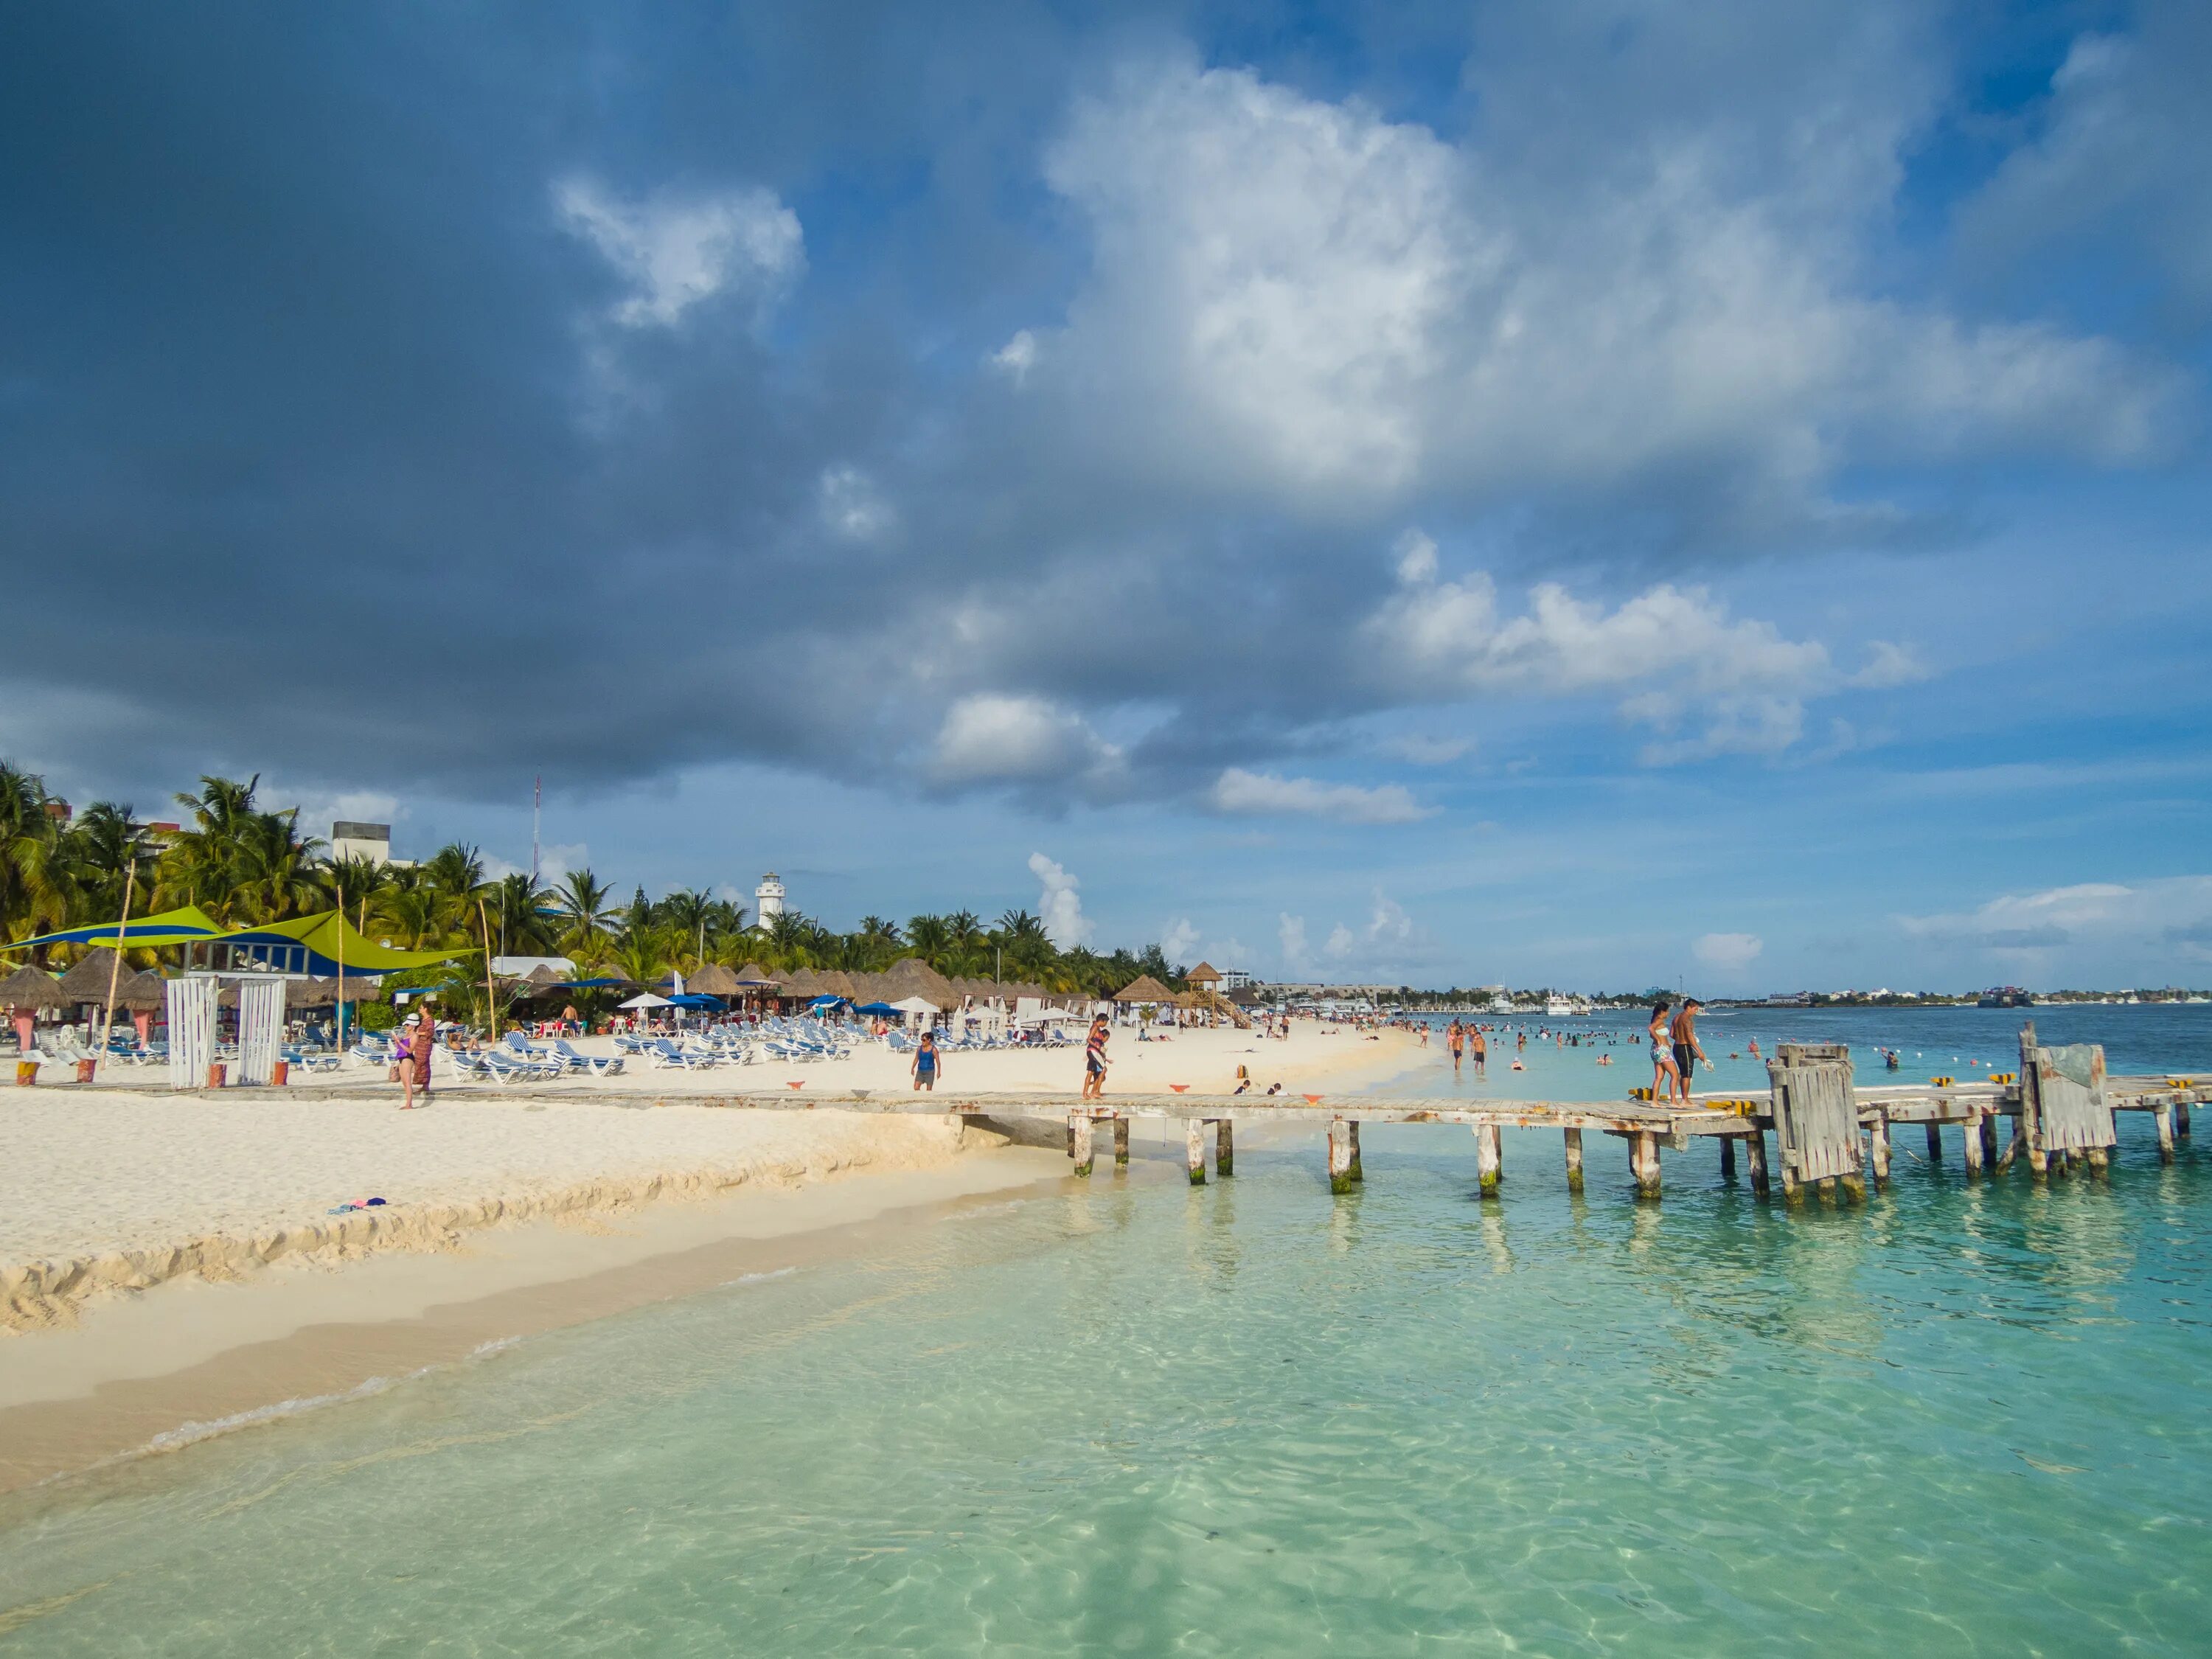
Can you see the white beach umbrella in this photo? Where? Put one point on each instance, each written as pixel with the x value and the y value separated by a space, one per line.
pixel 647 999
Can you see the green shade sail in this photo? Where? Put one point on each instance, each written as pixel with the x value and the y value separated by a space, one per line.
pixel 189 925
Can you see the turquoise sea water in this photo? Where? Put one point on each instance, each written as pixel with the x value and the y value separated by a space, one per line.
pixel 1131 1417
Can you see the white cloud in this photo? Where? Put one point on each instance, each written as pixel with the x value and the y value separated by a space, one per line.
pixel 1060 904
pixel 1016 357
pixel 2086 932
pixel 1889 666
pixel 851 506
pixel 1180 941
pixel 2121 153
pixel 1729 953
pixel 1302 295
pixel 1667 654
pixel 1240 791
pixel 1291 940
pixel 1426 751
pixel 553 863
pixel 990 738
pixel 676 252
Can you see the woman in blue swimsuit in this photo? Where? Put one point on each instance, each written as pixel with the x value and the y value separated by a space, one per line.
pixel 925 1064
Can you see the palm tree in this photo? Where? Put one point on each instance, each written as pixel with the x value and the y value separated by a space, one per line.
pixel 582 899
pixel 791 938
pixel 201 865
pixel 33 896
pixel 456 871
pixel 518 908
pixel 276 872
pixel 928 938
pixel 685 914
pixel 97 856
pixel 415 913
pixel 357 880
pixel 640 954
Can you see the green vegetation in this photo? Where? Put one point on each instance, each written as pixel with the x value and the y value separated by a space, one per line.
pixel 243 865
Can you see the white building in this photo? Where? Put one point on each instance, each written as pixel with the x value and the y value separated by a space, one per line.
pixel 1236 979
pixel 351 839
pixel 767 900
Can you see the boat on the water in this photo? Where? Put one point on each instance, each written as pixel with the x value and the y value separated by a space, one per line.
pixel 2004 996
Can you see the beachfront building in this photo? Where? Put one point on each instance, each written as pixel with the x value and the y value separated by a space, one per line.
pixel 350 839
pixel 767 900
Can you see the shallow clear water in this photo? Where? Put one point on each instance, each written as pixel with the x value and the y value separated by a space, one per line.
pixel 1131 1417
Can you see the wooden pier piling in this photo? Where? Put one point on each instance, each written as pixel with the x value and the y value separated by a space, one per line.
pixel 1830 1137
pixel 1644 1162
pixel 1340 1155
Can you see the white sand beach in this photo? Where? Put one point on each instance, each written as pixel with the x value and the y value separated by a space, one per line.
pixel 146 1235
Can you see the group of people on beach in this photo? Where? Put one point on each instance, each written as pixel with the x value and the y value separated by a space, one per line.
pixel 1463 1039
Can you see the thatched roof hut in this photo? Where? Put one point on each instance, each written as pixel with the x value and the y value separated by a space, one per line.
pixel 143 992
pixel 30 987
pixel 801 984
pixel 1145 989
pixel 910 976
pixel 753 977
pixel 835 981
pixel 88 980
pixel 712 980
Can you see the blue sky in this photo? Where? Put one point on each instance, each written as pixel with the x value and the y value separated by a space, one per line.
pixel 1589 493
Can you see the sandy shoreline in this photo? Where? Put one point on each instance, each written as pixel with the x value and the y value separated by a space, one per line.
pixel 152 1244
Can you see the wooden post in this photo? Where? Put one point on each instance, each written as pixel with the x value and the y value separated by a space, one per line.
pixel 1489 1156
pixel 1935 1140
pixel 2031 1119
pixel 2181 1121
pixel 2164 1117
pixel 1339 1157
pixel 1988 1137
pixel 1574 1160
pixel 1755 1144
pixel 1977 1127
pixel 1078 1130
pixel 1121 1142
pixel 1351 1135
pixel 1728 1158
pixel 1643 1160
pixel 1224 1148
pixel 1879 1140
pixel 1193 1149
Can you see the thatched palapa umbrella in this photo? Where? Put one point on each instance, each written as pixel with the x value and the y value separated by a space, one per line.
pixel 88 981
pixel 24 993
pixel 910 976
pixel 712 980
pixel 1145 989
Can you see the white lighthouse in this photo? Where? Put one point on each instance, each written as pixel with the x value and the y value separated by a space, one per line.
pixel 767 900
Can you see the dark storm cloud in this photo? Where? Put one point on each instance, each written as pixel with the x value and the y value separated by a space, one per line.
pixel 1079 439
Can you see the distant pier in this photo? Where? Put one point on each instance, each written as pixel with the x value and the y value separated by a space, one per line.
pixel 1829 1137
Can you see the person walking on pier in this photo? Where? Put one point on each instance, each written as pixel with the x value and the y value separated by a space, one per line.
pixel 1664 1076
pixel 1094 1060
pixel 1688 1049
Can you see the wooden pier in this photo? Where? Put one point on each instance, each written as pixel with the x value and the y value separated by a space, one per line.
pixel 1830 1136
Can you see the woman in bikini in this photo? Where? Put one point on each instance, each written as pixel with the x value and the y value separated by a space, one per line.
pixel 1664 1077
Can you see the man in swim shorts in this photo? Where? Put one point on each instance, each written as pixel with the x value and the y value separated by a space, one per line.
pixel 1481 1053
pixel 1687 1051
